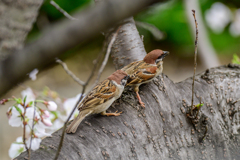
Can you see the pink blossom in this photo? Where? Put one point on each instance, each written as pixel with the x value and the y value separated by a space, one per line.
pixel 47 122
pixel 46 114
pixel 52 106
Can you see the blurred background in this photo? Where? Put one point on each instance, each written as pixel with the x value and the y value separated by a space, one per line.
pixel 166 26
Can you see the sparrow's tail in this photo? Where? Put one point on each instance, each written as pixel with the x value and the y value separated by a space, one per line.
pixel 75 123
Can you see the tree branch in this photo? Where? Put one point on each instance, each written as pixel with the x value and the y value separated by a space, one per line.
pixel 62 11
pixel 74 77
pixel 16 20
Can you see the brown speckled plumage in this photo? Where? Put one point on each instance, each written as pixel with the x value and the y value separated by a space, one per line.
pixel 144 71
pixel 100 99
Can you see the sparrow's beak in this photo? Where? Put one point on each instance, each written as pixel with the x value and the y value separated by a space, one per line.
pixel 165 53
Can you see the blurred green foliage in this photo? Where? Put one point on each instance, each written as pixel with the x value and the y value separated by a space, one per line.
pixel 236 59
pixel 170 18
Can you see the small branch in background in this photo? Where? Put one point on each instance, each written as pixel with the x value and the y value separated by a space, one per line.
pixel 106 56
pixel 75 78
pixel 76 105
pixel 195 59
pixel 62 10
pixel 157 34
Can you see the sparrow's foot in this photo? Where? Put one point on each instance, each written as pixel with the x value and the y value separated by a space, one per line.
pixel 140 101
pixel 142 104
pixel 111 114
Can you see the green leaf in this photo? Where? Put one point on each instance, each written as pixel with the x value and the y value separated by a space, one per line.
pixel 236 59
pixel 18 100
pixel 24 100
pixel 18 109
pixel 21 150
pixel 199 105
pixel 54 113
pixel 30 103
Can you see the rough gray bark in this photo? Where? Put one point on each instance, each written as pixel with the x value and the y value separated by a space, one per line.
pixel 161 130
pixel 65 35
pixel 16 19
pixel 128 46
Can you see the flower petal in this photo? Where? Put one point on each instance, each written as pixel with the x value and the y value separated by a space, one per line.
pixel 16 149
pixel 35 143
pixel 15 120
pixel 30 95
pixel 52 106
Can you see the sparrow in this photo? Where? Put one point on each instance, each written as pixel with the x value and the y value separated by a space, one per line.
pixel 100 98
pixel 144 71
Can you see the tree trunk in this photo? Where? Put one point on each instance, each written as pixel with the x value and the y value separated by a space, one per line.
pixel 16 20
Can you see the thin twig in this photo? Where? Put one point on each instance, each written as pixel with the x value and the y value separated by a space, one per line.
pixel 76 105
pixel 106 56
pixel 75 78
pixel 157 34
pixel 32 131
pixel 24 129
pixel 195 59
pixel 62 10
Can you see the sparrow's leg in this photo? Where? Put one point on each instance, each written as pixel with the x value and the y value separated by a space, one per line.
pixel 136 89
pixel 111 114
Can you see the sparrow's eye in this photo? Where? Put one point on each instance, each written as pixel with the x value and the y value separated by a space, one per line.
pixel 124 80
pixel 126 77
pixel 160 57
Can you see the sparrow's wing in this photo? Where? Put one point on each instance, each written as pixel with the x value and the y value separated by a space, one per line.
pixel 132 67
pixel 142 75
pixel 103 92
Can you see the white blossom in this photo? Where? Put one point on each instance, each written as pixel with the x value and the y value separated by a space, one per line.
pixel 15 119
pixel 30 95
pixel 68 106
pixel 57 124
pixel 35 143
pixel 52 106
pixel 16 148
pixel 33 74
pixel 218 17
pixel 39 130
pixel 39 126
